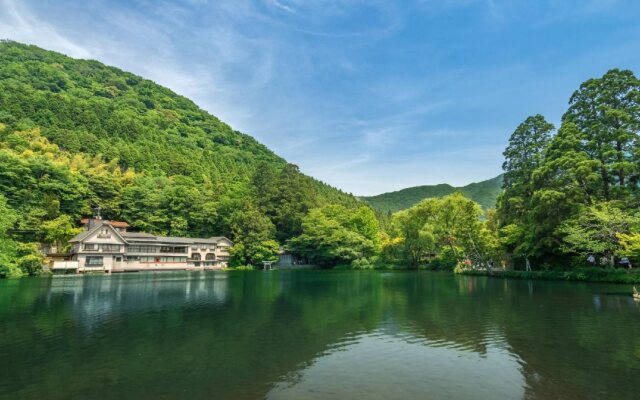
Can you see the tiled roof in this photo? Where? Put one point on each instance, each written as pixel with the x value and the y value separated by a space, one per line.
pixel 185 240
pixel 138 235
pixel 84 234
pixel 147 237
pixel 115 224
pixel 80 236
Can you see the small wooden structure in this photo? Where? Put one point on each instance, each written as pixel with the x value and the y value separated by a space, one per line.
pixel 267 264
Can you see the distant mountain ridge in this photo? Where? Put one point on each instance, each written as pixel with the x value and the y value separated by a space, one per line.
pixel 484 193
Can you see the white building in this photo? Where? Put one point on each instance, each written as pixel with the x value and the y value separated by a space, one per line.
pixel 106 246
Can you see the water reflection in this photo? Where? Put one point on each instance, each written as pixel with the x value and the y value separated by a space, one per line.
pixel 315 334
pixel 96 299
pixel 426 372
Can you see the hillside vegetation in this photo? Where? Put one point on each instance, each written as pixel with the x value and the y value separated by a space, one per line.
pixel 484 193
pixel 76 134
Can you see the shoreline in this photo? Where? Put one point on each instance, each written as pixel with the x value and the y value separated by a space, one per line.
pixel 602 275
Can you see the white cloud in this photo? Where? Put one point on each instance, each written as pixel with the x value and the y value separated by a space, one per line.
pixel 18 23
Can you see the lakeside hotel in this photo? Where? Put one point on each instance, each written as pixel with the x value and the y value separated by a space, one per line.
pixel 106 246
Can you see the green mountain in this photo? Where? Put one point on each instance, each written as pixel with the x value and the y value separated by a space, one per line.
pixel 484 193
pixel 76 134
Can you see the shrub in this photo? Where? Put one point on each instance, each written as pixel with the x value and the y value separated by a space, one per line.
pixel 361 263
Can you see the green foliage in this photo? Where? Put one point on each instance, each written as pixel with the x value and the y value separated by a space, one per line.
pixel 484 193
pixel 59 230
pixel 597 230
pixel 630 244
pixel 254 252
pixel 333 235
pixel 8 217
pixel 442 231
pixel 607 110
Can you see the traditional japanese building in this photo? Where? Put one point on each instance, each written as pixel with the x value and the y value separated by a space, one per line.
pixel 107 246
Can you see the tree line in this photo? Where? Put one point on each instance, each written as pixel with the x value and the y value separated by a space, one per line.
pixel 570 195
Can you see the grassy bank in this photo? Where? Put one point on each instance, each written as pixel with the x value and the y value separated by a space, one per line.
pixel 608 275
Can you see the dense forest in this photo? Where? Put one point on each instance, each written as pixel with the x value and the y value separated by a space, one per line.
pixel 77 134
pixel 484 193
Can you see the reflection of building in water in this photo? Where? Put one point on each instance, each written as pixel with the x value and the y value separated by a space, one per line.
pixel 107 246
pixel 98 298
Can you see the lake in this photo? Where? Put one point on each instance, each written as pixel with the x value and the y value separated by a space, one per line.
pixel 316 335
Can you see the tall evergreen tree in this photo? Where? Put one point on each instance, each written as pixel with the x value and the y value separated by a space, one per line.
pixel 608 109
pixel 523 155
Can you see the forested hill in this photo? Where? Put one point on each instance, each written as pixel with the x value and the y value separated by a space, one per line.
pixel 484 193
pixel 75 134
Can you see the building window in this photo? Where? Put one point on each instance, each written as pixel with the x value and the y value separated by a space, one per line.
pixel 110 247
pixel 170 259
pixel 104 233
pixel 173 249
pixel 138 248
pixel 90 247
pixel 196 256
pixel 94 261
pixel 210 257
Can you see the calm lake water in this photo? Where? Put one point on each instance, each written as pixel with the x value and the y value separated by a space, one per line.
pixel 316 335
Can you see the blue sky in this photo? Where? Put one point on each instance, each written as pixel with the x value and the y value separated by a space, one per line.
pixel 369 96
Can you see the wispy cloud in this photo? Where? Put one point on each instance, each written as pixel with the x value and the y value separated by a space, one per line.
pixel 282 6
pixel 368 95
pixel 18 23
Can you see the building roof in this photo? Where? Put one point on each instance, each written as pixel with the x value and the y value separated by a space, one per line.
pixel 147 237
pixel 85 234
pixel 138 235
pixel 115 224
pixel 185 240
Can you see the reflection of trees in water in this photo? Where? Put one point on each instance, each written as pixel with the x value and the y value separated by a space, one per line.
pixel 163 339
pixel 235 334
pixel 568 343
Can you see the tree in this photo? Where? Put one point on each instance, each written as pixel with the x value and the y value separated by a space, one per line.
pixel 295 197
pixel 598 230
pixel 254 253
pixel 448 228
pixel 629 244
pixel 252 233
pixel 566 180
pixel 59 231
pixel 8 217
pixel 608 109
pixel 332 235
pixel 413 232
pixel 523 155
